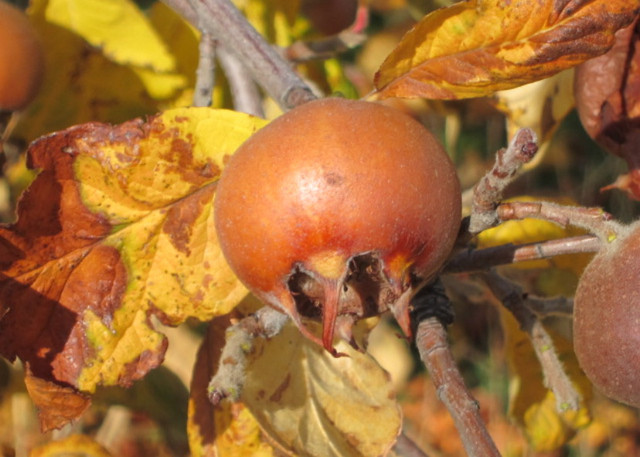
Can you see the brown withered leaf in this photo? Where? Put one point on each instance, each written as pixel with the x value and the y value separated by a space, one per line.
pixel 57 404
pixel 607 91
pixel 116 231
pixel 475 48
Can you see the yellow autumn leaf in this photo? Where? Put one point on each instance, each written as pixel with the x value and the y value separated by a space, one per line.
pixel 241 434
pixel 167 243
pixel 118 27
pixel 83 85
pixel 182 41
pixel 76 445
pixel 477 47
pixel 313 404
pixel 273 19
pixel 114 234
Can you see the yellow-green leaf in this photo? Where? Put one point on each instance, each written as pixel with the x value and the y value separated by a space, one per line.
pixel 475 48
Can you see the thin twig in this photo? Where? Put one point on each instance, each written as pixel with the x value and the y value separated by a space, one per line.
pixel 231 29
pixel 431 340
pixel 205 74
pixel 245 93
pixel 406 447
pixel 324 48
pixel 489 190
pixel 555 378
pixel 595 220
pixel 482 259
pixel 555 306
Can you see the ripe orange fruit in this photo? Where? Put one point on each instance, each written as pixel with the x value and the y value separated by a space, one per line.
pixel 335 209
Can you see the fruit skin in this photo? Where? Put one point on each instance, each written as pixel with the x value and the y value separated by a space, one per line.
pixel 21 59
pixel 606 328
pixel 330 16
pixel 324 183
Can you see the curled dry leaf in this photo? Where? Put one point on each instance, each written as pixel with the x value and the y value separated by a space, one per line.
pixel 57 404
pixel 116 230
pixel 313 404
pixel 475 48
pixel 608 101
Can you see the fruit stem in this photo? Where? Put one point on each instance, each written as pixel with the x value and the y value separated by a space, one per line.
pixel 230 28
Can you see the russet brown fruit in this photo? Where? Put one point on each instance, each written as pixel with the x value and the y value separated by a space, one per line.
pixel 330 16
pixel 333 210
pixel 607 319
pixel 21 59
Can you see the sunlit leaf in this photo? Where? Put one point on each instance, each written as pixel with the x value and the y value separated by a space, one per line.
pixel 274 19
pixel 546 429
pixel 118 27
pixel 477 47
pixel 182 41
pixel 82 84
pixel 116 231
pixel 307 402
pixel 313 404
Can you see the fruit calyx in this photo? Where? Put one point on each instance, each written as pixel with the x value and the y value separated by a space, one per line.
pixel 359 288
